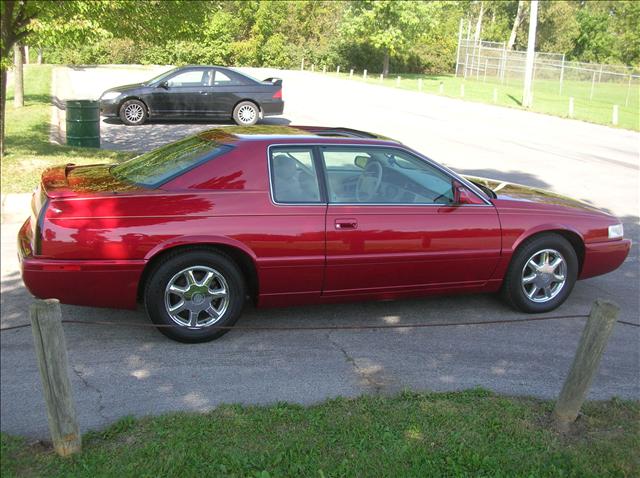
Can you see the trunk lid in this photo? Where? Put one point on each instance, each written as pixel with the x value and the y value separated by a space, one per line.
pixel 71 180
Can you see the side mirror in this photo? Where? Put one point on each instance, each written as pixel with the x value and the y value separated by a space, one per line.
pixel 361 161
pixel 462 195
pixel 164 85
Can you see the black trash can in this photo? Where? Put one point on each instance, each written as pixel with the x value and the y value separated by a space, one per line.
pixel 83 123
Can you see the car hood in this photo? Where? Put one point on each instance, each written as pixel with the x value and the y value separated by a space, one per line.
pixel 520 193
pixel 132 86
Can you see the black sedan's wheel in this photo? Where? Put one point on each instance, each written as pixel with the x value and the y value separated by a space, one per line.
pixel 194 291
pixel 246 113
pixel 133 112
pixel 541 275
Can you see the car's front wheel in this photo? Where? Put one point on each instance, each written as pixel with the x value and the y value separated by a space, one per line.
pixel 542 274
pixel 246 113
pixel 133 112
pixel 194 292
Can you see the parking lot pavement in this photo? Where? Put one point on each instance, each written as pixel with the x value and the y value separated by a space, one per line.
pixel 121 370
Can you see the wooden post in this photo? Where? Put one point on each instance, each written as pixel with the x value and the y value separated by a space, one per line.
pixel 313 67
pixel 302 65
pixel 615 114
pixel 381 77
pixel 561 74
pixel 592 343
pixel 593 85
pixel 51 353
pixel 351 73
pixel 571 107
pixel 324 69
pixel 398 81
pixel 39 55
pixel 338 70
pixel 364 74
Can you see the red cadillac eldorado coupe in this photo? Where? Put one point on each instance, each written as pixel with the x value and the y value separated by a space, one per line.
pixel 294 215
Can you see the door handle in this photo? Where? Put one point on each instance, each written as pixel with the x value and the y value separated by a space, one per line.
pixel 346 224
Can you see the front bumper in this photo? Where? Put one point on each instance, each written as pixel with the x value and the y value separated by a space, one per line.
pixel 94 283
pixel 109 108
pixel 603 257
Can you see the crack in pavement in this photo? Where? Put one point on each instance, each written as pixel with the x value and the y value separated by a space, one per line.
pixel 101 407
pixel 372 376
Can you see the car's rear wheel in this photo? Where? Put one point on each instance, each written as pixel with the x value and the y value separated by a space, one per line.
pixel 194 292
pixel 246 113
pixel 133 112
pixel 542 274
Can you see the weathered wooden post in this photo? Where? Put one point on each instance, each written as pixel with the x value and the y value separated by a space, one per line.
pixel 302 65
pixel 324 69
pixel 571 107
pixel 615 115
pixel 364 74
pixel 351 73
pixel 381 77
pixel 592 343
pixel 398 81
pixel 313 67
pixel 338 69
pixel 51 354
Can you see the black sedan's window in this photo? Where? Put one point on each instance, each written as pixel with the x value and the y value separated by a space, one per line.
pixel 156 167
pixel 190 78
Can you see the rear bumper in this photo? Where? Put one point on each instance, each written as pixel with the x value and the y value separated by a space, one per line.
pixel 104 283
pixel 603 257
pixel 272 108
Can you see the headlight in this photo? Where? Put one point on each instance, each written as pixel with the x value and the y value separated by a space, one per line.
pixel 615 232
pixel 110 95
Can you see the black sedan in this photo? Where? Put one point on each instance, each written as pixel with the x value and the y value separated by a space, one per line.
pixel 195 92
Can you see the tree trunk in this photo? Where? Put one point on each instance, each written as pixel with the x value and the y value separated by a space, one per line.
pixel 39 55
pixel 385 63
pixel 18 83
pixel 476 38
pixel 3 86
pixel 516 24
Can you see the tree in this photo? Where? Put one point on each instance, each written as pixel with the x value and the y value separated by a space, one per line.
pixel 516 24
pixel 389 26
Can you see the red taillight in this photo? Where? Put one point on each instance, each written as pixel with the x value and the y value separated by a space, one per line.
pixel 277 95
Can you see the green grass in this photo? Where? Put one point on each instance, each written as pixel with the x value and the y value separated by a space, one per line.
pixel 473 433
pixel 28 150
pixel 546 95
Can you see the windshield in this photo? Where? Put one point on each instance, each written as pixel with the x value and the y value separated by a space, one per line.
pixel 156 167
pixel 160 77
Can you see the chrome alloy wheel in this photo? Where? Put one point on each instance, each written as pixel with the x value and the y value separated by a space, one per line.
pixel 246 114
pixel 196 297
pixel 544 275
pixel 134 112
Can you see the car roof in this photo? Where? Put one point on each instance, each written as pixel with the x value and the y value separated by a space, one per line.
pixel 294 134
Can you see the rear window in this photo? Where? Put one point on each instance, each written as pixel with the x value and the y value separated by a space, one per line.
pixel 156 167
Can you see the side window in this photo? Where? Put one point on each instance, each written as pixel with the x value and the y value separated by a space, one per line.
pixel 222 79
pixel 293 175
pixel 188 78
pixel 383 176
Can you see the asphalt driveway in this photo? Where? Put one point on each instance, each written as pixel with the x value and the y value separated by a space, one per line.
pixel 122 370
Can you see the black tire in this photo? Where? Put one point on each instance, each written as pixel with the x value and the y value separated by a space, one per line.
pixel 513 287
pixel 133 112
pixel 201 259
pixel 246 113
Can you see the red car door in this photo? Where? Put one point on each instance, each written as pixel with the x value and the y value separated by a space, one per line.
pixel 392 226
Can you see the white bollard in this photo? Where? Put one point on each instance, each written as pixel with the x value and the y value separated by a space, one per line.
pixel 364 74
pixel 614 118
pixel 495 95
pixel 302 65
pixel 338 70
pixel 571 107
pixel 324 69
pixel 381 77
pixel 441 88
pixel 462 91
pixel 313 68
pixel 351 73
pixel 419 84
pixel 398 81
